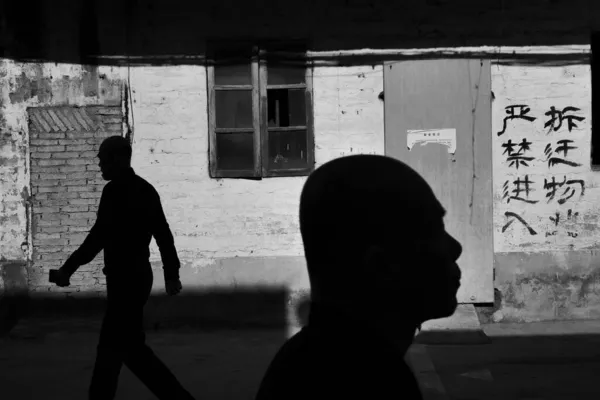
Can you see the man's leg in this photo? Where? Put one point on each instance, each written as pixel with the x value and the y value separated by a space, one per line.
pixel 108 363
pixel 142 361
pixel 137 356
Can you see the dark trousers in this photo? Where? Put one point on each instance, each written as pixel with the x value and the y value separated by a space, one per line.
pixel 122 341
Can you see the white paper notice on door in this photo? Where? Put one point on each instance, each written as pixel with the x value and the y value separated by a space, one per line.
pixel 446 137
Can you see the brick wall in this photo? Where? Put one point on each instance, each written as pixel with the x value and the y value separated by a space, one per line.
pixel 66 187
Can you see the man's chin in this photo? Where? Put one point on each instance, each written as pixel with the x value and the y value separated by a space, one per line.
pixel 443 311
pixel 106 177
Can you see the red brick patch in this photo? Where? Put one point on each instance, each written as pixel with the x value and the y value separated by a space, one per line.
pixel 66 185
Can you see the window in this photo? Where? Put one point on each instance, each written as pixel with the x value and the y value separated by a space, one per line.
pixel 260 116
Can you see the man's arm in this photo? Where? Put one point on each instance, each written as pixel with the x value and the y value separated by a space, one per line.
pixel 93 243
pixel 164 239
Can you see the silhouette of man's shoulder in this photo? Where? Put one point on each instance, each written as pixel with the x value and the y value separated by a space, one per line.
pixel 322 363
pixel 144 185
pixel 286 368
pixel 135 194
pixel 135 185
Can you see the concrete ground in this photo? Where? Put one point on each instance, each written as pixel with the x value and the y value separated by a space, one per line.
pixel 546 361
pixel 53 360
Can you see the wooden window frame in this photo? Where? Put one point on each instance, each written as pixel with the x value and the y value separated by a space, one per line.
pixel 260 128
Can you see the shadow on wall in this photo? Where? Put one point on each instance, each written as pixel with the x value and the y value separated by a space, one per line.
pixel 152 32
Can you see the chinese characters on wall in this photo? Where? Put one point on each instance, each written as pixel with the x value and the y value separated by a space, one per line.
pixel 540 171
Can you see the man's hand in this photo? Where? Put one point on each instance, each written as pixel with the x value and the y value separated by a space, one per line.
pixel 59 277
pixel 173 287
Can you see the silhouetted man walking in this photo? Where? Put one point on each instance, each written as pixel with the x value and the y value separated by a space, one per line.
pixel 380 263
pixel 129 215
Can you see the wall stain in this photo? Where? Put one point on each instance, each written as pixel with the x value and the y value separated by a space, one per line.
pixel 26 197
pixel 587 286
pixel 510 297
pixel 26 88
pixel 90 81
pixel 559 291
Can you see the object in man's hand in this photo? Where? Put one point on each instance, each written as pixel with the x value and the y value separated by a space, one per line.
pixel 53 275
pixel 58 278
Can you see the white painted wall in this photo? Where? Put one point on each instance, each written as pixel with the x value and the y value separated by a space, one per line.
pixel 541 87
pixel 213 219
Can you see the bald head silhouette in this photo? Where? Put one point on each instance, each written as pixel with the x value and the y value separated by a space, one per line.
pixel 115 157
pixel 372 225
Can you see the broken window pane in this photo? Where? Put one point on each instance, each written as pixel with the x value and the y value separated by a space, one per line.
pixel 235 151
pixel 287 107
pixel 287 150
pixel 285 75
pixel 233 108
pixel 233 74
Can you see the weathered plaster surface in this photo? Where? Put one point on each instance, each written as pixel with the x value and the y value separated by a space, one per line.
pixel 221 219
pixel 239 232
pixel 536 286
pixel 26 85
pixel 551 270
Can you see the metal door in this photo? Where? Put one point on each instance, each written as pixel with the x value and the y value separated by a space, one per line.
pixel 441 96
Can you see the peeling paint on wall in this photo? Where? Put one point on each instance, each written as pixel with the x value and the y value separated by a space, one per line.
pixel 24 85
pixel 538 297
pixel 24 89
